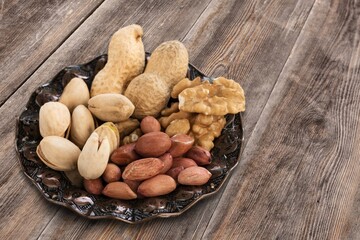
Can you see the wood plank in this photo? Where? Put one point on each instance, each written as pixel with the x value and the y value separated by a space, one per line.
pixel 30 31
pixel 300 173
pixel 179 227
pixel 84 44
pixel 13 211
pixel 254 33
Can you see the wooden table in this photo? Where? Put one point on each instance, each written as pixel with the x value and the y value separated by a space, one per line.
pixel 298 62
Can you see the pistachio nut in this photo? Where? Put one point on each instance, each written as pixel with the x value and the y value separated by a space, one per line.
pixel 75 93
pixel 109 130
pixel 74 177
pixel 54 119
pixel 94 157
pixel 58 153
pixel 82 125
pixel 111 107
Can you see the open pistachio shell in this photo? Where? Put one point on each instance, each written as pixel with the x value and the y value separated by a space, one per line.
pixel 54 119
pixel 110 131
pixel 82 125
pixel 94 157
pixel 58 153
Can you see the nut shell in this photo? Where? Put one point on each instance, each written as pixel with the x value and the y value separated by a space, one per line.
pixel 58 153
pixel 75 93
pixel 82 125
pixel 111 107
pixel 54 119
pixel 149 94
pixel 109 130
pixel 94 157
pixel 126 59
pixel 169 60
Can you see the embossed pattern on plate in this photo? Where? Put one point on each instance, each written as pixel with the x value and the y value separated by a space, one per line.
pixel 55 187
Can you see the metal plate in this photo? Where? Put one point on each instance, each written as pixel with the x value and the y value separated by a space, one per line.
pixel 55 187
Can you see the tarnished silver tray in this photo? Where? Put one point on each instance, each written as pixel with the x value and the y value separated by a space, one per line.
pixel 55 187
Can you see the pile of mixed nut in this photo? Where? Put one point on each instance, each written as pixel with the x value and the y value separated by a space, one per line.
pixel 122 138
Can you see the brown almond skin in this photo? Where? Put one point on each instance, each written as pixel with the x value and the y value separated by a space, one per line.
pixel 200 155
pixel 156 186
pixel 112 173
pixel 174 172
pixel 124 154
pixel 132 184
pixel 150 124
pixel 185 162
pixel 119 190
pixel 143 169
pixel 168 162
pixel 180 144
pixel 153 144
pixel 194 176
pixel 93 186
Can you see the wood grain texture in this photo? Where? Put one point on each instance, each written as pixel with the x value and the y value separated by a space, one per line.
pixel 300 173
pixel 89 40
pixel 30 31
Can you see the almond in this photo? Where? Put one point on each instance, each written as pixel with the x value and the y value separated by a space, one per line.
pixel 194 176
pixel 119 190
pixel 156 186
pixel 150 124
pixel 168 162
pixel 132 184
pixel 124 154
pixel 180 144
pixel 153 144
pixel 112 173
pixel 143 169
pixel 94 186
pixel 174 172
pixel 185 162
pixel 200 155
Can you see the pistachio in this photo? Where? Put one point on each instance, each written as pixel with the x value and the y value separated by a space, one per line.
pixel 75 93
pixel 54 119
pixel 82 125
pixel 110 131
pixel 94 157
pixel 111 107
pixel 58 153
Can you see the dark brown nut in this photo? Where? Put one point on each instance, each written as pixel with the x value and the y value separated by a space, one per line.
pixel 194 176
pixel 93 186
pixel 180 144
pixel 124 154
pixel 200 155
pixel 119 190
pixel 185 162
pixel 150 124
pixel 156 186
pixel 112 173
pixel 132 184
pixel 168 162
pixel 153 144
pixel 143 169
pixel 174 172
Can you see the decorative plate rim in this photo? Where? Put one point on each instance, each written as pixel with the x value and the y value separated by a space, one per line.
pixel 113 217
